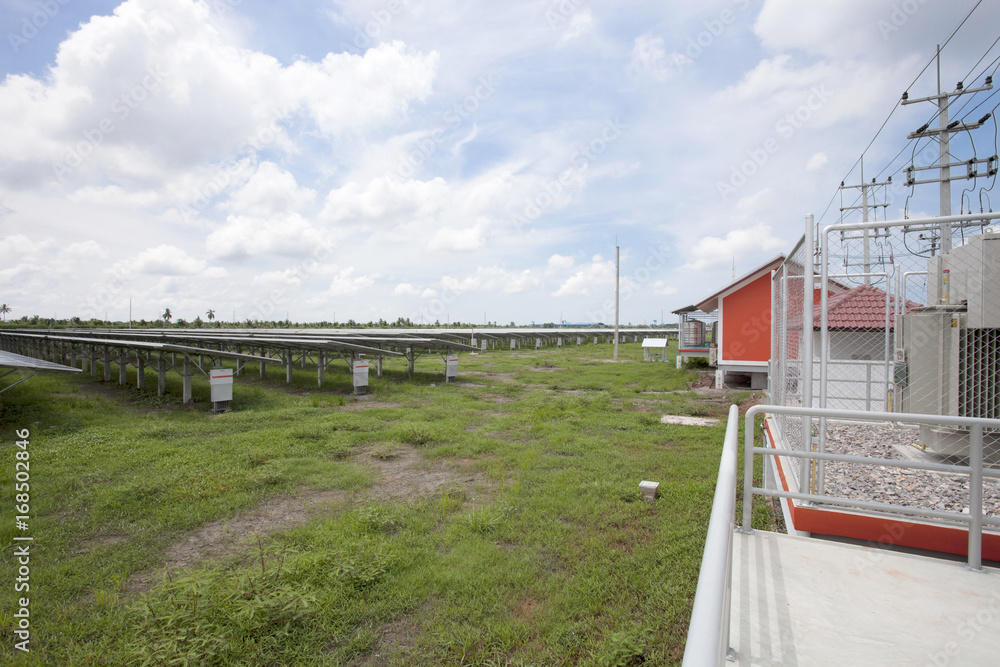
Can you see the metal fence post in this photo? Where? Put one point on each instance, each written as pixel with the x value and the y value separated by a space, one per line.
pixel 976 497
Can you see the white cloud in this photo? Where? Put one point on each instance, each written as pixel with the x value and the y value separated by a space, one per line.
pixel 405 289
pixel 86 249
pixel 713 252
pixel 593 276
pixel 285 278
pixel 242 236
pixel 558 263
pixel 650 59
pixel 346 90
pixel 847 29
pixel 19 245
pixel 156 88
pixel 580 24
pixel 166 260
pixel 345 284
pixel 493 279
pixel 462 238
pixel 271 191
pixel 215 272
pixel 662 287
pixel 816 162
pixel 386 201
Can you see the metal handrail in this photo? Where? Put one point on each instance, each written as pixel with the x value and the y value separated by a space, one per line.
pixel 974 469
pixel 708 631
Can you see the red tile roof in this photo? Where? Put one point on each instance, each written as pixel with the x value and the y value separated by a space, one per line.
pixel 860 308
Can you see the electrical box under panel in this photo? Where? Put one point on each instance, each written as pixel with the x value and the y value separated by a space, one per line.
pixel 220 382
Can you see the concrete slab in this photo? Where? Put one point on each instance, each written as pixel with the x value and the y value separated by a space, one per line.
pixel 802 601
pixel 684 420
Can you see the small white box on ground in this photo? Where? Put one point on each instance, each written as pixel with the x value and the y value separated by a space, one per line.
pixel 648 490
pixel 361 376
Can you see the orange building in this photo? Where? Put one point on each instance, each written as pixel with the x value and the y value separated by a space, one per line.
pixel 743 344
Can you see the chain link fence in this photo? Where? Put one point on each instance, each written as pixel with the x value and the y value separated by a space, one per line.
pixel 908 320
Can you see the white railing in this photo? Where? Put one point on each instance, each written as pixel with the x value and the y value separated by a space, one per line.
pixel 975 469
pixel 708 632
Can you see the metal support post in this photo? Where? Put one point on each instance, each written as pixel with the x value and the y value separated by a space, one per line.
pixel 808 282
pixel 161 375
pixel 122 367
pixel 976 497
pixel 140 372
pixel 187 381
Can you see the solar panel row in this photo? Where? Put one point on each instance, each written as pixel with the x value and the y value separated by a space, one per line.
pixel 188 350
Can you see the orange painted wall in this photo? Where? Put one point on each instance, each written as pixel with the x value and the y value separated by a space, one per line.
pixel 746 322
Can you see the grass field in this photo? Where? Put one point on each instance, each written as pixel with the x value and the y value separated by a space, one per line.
pixel 494 521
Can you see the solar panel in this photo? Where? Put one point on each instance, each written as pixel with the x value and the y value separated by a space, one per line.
pixel 21 362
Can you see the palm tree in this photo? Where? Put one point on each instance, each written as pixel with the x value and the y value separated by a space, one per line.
pixel 167 316
pixel 4 309
pixel 211 314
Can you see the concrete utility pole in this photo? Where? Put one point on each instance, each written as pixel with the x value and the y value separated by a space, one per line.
pixel 617 265
pixel 865 208
pixel 943 132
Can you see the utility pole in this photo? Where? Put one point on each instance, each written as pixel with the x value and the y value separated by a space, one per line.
pixel 943 132
pixel 867 196
pixel 617 266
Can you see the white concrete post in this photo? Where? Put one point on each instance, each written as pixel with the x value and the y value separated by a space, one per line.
pixel 187 382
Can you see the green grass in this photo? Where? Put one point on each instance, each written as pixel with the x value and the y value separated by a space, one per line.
pixel 538 550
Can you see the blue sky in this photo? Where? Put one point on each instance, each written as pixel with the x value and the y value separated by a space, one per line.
pixel 449 161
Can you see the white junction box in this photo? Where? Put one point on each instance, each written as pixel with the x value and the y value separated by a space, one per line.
pixel 220 382
pixel 648 490
pixel 361 376
pixel 451 368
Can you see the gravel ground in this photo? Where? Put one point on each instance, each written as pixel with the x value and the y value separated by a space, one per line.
pixel 915 488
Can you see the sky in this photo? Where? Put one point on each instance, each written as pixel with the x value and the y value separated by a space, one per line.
pixel 452 160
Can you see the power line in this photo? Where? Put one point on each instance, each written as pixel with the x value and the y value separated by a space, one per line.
pixel 896 106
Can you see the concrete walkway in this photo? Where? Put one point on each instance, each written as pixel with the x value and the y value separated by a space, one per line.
pixel 803 601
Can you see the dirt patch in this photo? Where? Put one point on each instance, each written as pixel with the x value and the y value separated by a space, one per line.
pixel 231 537
pixel 394 637
pixel 131 398
pixel 494 377
pixel 705 384
pixel 499 399
pixel 363 403
pixel 407 475
pixel 527 608
pixel 403 475
pixel 755 398
pixel 545 368
pixel 98 541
